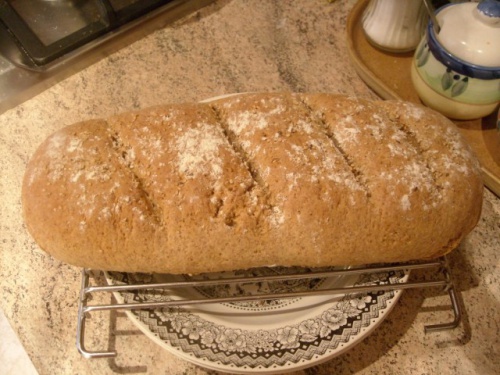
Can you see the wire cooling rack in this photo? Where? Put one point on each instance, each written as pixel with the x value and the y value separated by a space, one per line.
pixel 441 279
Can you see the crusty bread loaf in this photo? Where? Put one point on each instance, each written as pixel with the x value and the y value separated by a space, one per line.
pixel 253 180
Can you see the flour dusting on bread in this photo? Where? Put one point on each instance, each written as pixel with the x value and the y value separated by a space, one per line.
pixel 251 180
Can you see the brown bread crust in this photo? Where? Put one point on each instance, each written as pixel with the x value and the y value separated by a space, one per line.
pixel 253 180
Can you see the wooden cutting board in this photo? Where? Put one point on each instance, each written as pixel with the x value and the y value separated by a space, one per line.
pixel 388 74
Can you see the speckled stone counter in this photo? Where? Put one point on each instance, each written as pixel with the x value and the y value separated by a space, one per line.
pixel 229 46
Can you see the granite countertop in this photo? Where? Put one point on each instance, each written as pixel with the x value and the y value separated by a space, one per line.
pixel 229 46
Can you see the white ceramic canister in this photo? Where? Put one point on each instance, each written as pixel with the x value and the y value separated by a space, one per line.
pixel 394 25
pixel 457 71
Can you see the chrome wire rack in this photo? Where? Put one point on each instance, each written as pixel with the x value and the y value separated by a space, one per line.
pixel 441 278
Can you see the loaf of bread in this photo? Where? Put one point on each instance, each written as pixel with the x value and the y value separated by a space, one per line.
pixel 253 180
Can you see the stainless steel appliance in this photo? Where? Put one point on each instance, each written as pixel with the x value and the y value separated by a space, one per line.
pixel 44 41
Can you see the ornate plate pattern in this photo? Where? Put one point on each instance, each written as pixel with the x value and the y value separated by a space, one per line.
pixel 269 336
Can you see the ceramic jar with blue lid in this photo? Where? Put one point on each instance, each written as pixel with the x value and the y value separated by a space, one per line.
pixel 456 71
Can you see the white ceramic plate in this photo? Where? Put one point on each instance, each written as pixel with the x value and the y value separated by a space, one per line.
pixel 266 337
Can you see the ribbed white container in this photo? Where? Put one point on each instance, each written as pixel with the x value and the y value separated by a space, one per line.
pixel 395 25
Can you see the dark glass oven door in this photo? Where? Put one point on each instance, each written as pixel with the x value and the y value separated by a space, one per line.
pixel 34 33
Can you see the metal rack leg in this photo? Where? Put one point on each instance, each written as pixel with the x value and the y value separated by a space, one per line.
pixel 457 311
pixel 80 332
pixel 457 315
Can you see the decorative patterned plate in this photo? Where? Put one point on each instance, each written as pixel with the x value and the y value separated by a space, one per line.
pixel 267 336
